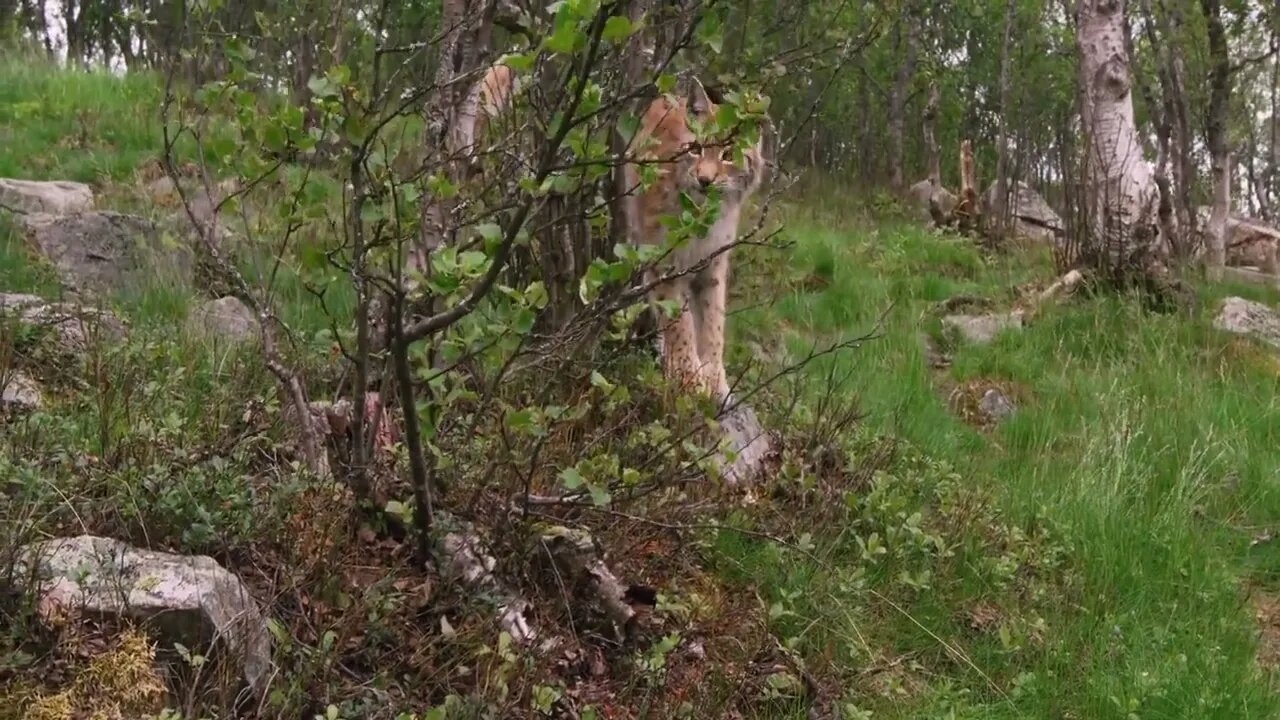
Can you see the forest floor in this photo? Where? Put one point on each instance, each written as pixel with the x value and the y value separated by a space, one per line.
pixel 1105 552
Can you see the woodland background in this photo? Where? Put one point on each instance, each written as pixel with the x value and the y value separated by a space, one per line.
pixel 1067 514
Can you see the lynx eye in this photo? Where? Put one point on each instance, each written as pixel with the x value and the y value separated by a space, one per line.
pixel 727 154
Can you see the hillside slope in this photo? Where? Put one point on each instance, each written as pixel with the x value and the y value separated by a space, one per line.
pixel 1104 552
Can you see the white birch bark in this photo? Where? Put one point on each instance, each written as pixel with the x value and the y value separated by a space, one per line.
pixel 1121 192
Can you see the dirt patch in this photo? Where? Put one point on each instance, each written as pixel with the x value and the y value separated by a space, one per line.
pixel 1266 610
pixel 1244 352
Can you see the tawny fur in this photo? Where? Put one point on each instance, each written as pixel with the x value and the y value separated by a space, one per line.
pixel 496 89
pixel 694 340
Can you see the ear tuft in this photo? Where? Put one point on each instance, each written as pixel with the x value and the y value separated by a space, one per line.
pixel 699 102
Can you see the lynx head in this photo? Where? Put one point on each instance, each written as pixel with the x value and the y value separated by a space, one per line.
pixel 717 161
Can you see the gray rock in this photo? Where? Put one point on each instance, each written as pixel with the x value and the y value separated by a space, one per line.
pixel 106 251
pixel 227 318
pixel 1028 206
pixel 1245 317
pixel 932 203
pixel 1038 234
pixel 982 329
pixel 748 442
pixel 30 197
pixel 934 358
pixel 995 405
pixel 918 195
pixel 190 599
pixel 75 326
pixel 19 392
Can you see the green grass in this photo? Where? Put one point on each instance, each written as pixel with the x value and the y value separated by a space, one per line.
pixel 1086 559
pixel 83 126
pixel 1150 443
pixel 17 273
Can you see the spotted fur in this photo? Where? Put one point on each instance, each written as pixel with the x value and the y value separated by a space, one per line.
pixel 693 342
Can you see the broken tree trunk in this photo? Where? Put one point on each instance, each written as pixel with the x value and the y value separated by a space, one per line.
pixel 580 565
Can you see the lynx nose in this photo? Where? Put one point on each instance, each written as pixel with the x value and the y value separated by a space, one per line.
pixel 705 182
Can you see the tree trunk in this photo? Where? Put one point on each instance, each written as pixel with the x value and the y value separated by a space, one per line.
pixel 1162 115
pixel 865 160
pixel 1185 168
pixel 1120 192
pixel 1216 134
pixel 999 212
pixel 632 71
pixel 931 137
pixel 898 97
pixel 1273 145
pixel 968 214
pixel 464 31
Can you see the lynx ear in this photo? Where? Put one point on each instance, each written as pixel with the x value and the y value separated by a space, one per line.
pixel 699 102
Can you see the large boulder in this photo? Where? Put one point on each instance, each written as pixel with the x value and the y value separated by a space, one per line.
pixel 19 393
pixel 1246 317
pixel 31 197
pixel 189 599
pixel 981 329
pixel 932 202
pixel 226 318
pixel 1250 242
pixel 106 251
pixel 74 326
pixel 918 195
pixel 995 406
pixel 1032 216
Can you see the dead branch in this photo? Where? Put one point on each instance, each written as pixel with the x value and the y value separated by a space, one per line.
pixel 577 558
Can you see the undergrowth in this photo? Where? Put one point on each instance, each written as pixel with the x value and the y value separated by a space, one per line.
pixel 1091 556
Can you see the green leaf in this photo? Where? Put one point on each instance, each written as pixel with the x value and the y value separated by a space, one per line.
pixel 616 28
pixel 564 40
pixel 523 321
pixel 572 479
pixel 628 126
pixel 490 232
pixel 322 87
pixel 372 212
pixel 522 421
pixel 275 138
pixel 472 261
pixel 599 381
pixel 520 62
pixel 666 83
pixel 536 294
pixel 600 495
pixel 440 186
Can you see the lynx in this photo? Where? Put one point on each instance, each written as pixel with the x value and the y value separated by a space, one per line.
pixel 693 341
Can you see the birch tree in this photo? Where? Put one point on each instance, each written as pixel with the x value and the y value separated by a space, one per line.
pixel 1119 185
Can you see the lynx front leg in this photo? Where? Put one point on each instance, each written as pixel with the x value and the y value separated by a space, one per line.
pixel 710 292
pixel 679 337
